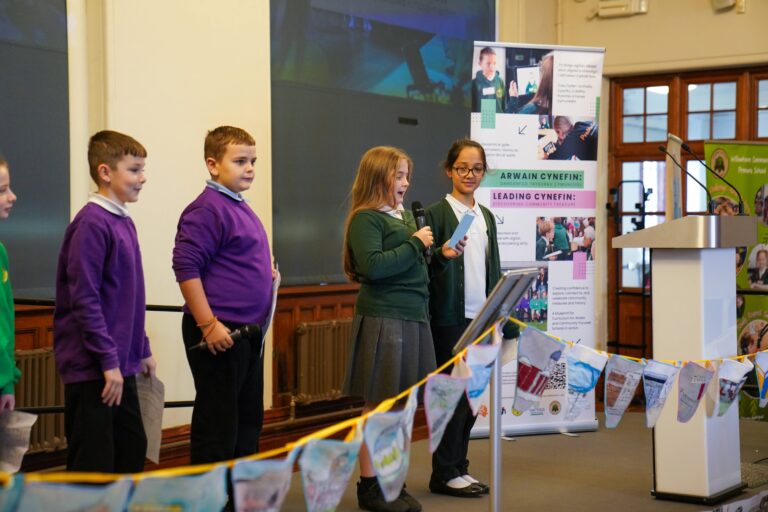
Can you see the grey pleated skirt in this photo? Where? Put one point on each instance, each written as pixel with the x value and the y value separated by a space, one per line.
pixel 387 357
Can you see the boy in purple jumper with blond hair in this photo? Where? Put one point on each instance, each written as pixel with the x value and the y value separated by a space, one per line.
pixel 99 340
pixel 223 266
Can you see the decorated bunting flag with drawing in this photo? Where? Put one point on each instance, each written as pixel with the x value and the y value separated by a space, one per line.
pixel 326 467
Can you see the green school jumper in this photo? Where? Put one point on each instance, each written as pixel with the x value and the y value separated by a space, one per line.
pixel 9 373
pixel 390 266
pixel 447 285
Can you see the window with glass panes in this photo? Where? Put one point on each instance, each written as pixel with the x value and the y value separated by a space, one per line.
pixel 696 106
pixel 710 110
pixel 761 107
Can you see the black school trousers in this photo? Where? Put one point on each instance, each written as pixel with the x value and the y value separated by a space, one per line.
pixel 229 397
pixel 100 438
pixel 450 458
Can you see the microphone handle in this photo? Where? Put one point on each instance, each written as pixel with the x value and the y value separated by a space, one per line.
pixel 421 221
pixel 235 335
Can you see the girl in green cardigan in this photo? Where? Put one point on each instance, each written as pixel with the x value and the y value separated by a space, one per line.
pixel 457 291
pixel 9 373
pixel 391 340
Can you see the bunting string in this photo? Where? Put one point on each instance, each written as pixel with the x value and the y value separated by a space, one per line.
pixel 352 424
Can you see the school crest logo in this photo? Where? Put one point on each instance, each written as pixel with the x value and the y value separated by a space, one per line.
pixel 555 408
pixel 499 92
pixel 719 161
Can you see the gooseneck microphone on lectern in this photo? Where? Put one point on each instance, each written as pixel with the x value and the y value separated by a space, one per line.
pixel 421 221
pixel 702 162
pixel 246 331
pixel 710 202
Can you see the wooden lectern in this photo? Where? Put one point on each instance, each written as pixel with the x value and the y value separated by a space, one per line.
pixel 693 269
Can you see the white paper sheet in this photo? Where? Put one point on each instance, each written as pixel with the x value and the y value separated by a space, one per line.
pixel 151 400
pixel 15 427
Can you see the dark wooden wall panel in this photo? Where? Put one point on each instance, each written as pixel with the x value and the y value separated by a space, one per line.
pixel 302 304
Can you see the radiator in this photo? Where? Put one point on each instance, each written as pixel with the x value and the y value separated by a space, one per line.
pixel 40 386
pixel 322 350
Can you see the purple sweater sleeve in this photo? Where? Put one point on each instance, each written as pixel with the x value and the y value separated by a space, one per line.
pixel 87 253
pixel 197 238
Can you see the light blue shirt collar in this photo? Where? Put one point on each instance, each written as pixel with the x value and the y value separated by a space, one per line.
pixel 224 190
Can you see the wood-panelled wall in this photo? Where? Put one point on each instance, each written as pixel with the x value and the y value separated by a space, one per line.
pixel 34 327
pixel 302 304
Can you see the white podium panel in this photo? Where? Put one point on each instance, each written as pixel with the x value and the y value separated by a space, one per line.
pixel 694 318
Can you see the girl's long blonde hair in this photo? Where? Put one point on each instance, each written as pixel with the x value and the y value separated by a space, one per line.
pixel 372 189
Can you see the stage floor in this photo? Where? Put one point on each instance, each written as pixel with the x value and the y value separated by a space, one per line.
pixel 597 471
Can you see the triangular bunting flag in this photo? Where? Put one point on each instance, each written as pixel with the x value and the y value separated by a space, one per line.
pixel 658 379
pixel 261 485
pixel 761 367
pixel 388 439
pixel 731 376
pixel 441 395
pixel 691 386
pixel 480 359
pixel 622 377
pixel 51 496
pixel 194 493
pixel 326 466
pixel 584 368
pixel 10 493
pixel 537 354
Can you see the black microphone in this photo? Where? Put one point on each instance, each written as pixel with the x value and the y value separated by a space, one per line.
pixel 246 331
pixel 702 162
pixel 710 203
pixel 421 221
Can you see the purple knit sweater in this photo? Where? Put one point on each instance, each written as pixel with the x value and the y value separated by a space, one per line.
pixel 98 323
pixel 221 241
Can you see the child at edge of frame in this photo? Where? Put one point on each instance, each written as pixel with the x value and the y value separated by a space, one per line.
pixel 9 373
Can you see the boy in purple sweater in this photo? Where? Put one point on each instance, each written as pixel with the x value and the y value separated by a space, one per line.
pixel 99 340
pixel 223 266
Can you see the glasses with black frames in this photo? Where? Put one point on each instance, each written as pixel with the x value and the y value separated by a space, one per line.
pixel 464 171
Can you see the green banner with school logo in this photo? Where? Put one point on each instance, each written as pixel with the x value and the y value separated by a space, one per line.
pixel 745 166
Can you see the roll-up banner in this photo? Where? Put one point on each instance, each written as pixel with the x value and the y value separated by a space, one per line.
pixel 535 110
pixel 745 166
